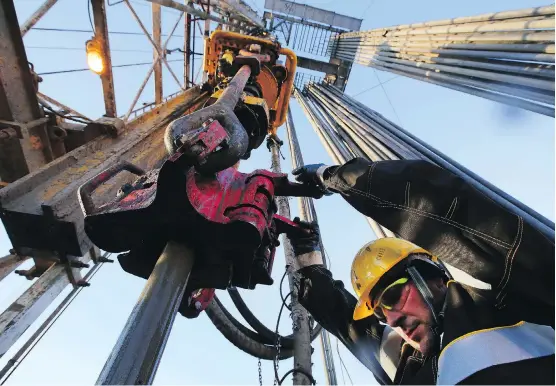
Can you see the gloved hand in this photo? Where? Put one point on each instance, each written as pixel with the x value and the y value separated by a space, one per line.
pixel 312 176
pixel 308 241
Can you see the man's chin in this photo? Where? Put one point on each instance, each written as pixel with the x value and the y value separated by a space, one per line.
pixel 425 345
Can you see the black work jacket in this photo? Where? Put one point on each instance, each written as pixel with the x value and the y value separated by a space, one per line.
pixel 440 212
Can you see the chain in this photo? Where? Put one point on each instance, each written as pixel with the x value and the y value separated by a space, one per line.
pixel 277 359
pixel 260 373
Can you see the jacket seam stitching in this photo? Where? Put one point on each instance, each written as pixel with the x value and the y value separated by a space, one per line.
pixel 407 187
pixel 512 259
pixel 452 209
pixel 455 224
pixel 507 259
pixel 431 215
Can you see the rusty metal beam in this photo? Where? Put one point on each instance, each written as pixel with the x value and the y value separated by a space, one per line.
pixel 41 211
pixel 30 343
pixel 18 103
pixel 60 105
pixel 157 20
pixel 19 316
pixel 161 53
pixel 36 16
pixel 9 263
pixel 186 49
pixel 107 79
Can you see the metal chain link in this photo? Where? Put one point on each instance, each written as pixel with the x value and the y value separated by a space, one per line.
pixel 260 373
pixel 277 359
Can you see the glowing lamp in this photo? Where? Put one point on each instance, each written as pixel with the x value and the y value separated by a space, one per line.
pixel 95 59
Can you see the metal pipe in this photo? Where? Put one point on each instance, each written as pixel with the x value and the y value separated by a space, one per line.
pixel 332 152
pixel 300 319
pixel 37 15
pixel 496 76
pixel 515 14
pixel 308 213
pixel 156 16
pixel 486 55
pixel 491 38
pixel 186 50
pixel 375 150
pixel 206 39
pixel 525 56
pixel 502 45
pixel 394 145
pixel 527 69
pixel 498 87
pixel 136 356
pixel 378 230
pixel 540 222
pixel 101 35
pixel 340 142
pixel 479 27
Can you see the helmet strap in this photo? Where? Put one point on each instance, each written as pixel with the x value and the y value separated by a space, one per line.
pixel 425 291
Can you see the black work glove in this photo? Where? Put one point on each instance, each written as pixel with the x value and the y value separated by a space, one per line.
pixel 312 176
pixel 306 241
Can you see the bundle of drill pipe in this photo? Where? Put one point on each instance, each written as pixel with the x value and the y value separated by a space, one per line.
pixel 349 129
pixel 507 56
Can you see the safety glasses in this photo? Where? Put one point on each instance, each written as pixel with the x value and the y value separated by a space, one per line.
pixel 389 297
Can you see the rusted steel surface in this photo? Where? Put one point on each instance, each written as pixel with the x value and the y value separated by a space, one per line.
pixel 9 263
pixel 187 53
pixel 61 105
pixel 41 211
pixel 18 103
pixel 36 16
pixel 158 41
pixel 19 316
pixel 101 33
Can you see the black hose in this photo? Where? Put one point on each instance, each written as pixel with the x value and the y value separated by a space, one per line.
pixel 227 326
pixel 245 330
pixel 265 333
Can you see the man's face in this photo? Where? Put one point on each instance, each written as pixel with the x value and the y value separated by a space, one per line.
pixel 412 318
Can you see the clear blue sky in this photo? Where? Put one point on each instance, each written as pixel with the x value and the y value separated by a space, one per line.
pixel 512 148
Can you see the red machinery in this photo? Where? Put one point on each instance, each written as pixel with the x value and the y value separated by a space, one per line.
pixel 228 218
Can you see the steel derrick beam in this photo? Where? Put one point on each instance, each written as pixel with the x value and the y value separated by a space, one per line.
pixel 36 16
pixel 101 34
pixel 41 211
pixel 19 316
pixel 9 263
pixel 157 31
pixel 28 147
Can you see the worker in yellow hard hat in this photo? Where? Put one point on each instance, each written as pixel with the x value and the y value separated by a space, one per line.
pixel 410 322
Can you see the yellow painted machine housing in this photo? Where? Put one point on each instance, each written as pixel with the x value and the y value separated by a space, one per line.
pixel 276 98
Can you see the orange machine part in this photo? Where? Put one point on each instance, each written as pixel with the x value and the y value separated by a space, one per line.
pixel 220 39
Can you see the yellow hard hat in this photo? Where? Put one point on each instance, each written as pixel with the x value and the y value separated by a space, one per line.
pixel 372 262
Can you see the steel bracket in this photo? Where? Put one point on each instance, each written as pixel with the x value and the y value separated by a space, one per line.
pixel 21 126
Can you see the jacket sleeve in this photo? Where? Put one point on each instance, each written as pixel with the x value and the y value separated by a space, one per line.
pixel 331 305
pixel 442 213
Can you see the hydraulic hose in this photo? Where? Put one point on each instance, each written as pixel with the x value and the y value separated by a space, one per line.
pixel 245 330
pixel 265 333
pixel 226 324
